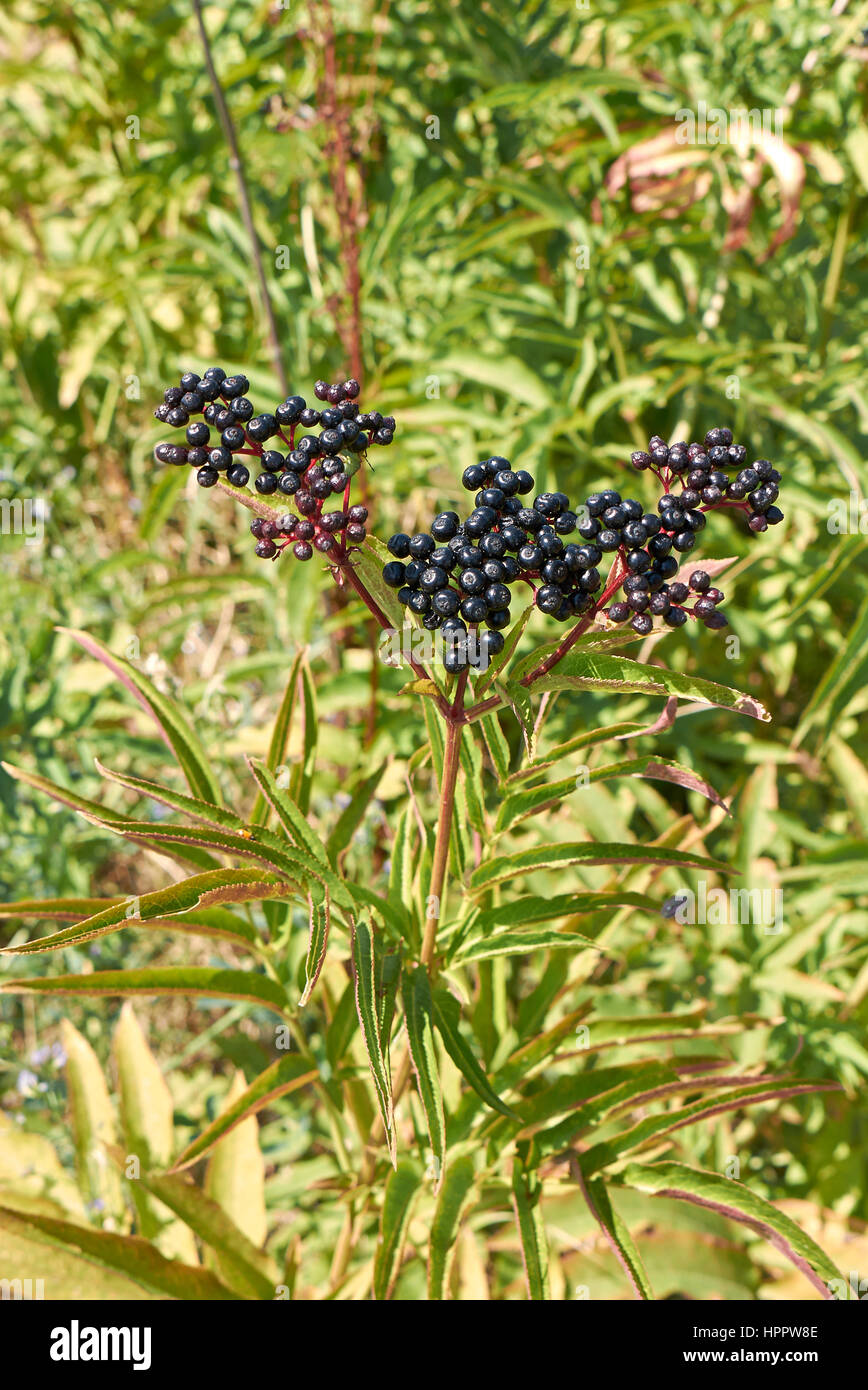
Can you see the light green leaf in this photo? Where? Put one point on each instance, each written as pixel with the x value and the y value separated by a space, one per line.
pixel 402 1188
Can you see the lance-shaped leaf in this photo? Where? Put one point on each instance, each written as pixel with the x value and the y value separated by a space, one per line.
pixel 235 1180
pixel 518 943
pixel 130 1255
pixel 294 823
pixel 554 856
pixel 302 775
pixel 526 1194
pixel 418 1017
pixel 535 800
pixel 498 748
pixel 191 806
pixel 172 723
pixel 243 985
pixel 616 1233
pixel 364 978
pixel 159 909
pixel 402 1187
pixel 98 815
pixel 655 1126
pixel 447 1019
pixel 586 670
pixel 148 1133
pixel 455 1196
pixel 352 815
pixel 534 909
pixel 289 1074
pixel 244 1267
pixel 320 921
pixel 738 1202
pixel 521 705
pixel 93 1122
pixel 279 738
pixel 387 967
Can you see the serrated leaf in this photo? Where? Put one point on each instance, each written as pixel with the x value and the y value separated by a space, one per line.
pixel 557 856
pixel 289 1074
pixel 518 943
pixel 294 823
pixel 244 1267
pixel 447 1016
pixel 243 985
pixel 599 671
pixel 363 954
pixel 172 723
pixel 736 1201
pixel 161 907
pixel 617 1234
pixel 418 1017
pixel 318 935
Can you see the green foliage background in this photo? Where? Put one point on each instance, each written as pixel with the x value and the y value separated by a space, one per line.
pixel 518 297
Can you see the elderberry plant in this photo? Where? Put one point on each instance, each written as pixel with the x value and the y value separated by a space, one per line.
pixel 394 967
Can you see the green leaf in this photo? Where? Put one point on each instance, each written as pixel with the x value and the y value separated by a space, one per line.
pixel 533 800
pixel 289 1074
pixel 243 1265
pixel 736 1201
pixel 320 921
pixel 526 1194
pixel 191 980
pixel 363 954
pixel 302 775
pixel 654 1126
pixel 92 811
pixel 455 1194
pixel 172 723
pixel 294 823
pixel 498 748
pixel 279 738
pixel 352 815
pixel 600 671
pixel 534 909
pixel 557 856
pixel 518 943
pixel 416 994
pixel 130 1255
pixel 447 1016
pixel 402 1187
pixel 164 907
pixel 520 703
pixel 617 1234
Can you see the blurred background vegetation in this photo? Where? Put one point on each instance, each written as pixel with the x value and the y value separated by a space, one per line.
pixel 545 273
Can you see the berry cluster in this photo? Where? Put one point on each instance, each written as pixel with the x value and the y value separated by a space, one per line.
pixel 702 469
pixel 458 575
pixel 310 468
